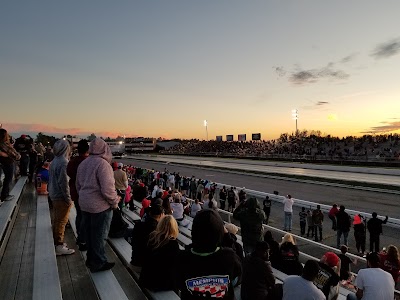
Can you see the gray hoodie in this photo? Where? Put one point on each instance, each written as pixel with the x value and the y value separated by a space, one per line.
pixel 58 179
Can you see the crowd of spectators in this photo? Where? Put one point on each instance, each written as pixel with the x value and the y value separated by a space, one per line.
pixel 303 145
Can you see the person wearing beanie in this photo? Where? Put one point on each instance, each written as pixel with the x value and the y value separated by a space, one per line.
pixel 97 199
pixel 373 282
pixel 59 193
pixel 343 226
pixel 302 287
pixel 205 269
pixel 359 233
pixel 72 170
pixel 374 226
pixel 251 218
pixel 328 275
pixel 258 281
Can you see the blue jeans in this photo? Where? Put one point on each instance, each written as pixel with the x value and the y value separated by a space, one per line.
pixel 288 221
pixel 339 237
pixel 8 170
pixel 96 227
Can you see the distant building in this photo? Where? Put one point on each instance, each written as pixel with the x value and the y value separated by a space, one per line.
pixel 139 144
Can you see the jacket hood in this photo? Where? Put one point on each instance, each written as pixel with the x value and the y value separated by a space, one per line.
pixel 252 203
pixel 100 148
pixel 61 148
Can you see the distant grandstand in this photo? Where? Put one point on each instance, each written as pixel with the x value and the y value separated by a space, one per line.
pixel 140 144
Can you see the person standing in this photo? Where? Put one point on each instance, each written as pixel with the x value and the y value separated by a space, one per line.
pixel 231 200
pixel 374 226
pixel 251 218
pixel 310 224
pixel 343 226
pixel 97 197
pixel 8 156
pixel 303 218
pixel 359 233
pixel 60 196
pixel 222 198
pixel 267 203
pixel 332 215
pixel 121 183
pixel 318 220
pixel 373 282
pixel 288 210
pixel 72 170
pixel 24 146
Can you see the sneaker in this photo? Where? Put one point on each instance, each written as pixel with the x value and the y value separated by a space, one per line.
pixel 105 267
pixel 9 198
pixel 64 250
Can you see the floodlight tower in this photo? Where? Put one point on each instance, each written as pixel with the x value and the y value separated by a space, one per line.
pixel 206 126
pixel 295 115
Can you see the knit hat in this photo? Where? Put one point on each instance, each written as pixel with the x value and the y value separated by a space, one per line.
pixel 331 259
pixel 83 146
pixel 207 231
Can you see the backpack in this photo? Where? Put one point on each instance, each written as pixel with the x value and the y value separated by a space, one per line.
pixel 118 225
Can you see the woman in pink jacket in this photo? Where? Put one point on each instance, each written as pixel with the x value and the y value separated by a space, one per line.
pixel 97 197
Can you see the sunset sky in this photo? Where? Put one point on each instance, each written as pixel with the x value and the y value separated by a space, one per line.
pixel 159 68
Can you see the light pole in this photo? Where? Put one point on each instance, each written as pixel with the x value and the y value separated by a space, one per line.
pixel 205 125
pixel 295 115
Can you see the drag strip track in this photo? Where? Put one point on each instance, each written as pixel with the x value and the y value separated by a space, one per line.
pixel 382 203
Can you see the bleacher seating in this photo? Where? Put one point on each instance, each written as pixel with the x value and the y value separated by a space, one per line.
pixel 46 281
pixel 105 282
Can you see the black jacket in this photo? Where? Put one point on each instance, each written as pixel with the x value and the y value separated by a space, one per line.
pixel 159 267
pixel 258 279
pixel 343 221
pixel 140 238
pixel 374 225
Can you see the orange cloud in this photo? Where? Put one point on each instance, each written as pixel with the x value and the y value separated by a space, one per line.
pixel 19 128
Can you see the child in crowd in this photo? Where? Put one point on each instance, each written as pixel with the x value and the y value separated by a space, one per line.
pixel 346 261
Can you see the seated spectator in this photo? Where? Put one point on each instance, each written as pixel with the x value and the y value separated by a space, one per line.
pixel 289 256
pixel 258 281
pixel 141 234
pixel 373 282
pixel 230 240
pixel 274 253
pixel 167 206
pixel 210 202
pixel 161 257
pixel 328 276
pixel 302 287
pixel 177 208
pixel 205 269
pixel 195 208
pixel 390 261
pixel 145 204
pixel 345 263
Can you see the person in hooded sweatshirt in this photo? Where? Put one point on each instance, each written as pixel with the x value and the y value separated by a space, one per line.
pixel 59 193
pixel 97 198
pixel 251 218
pixel 205 270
